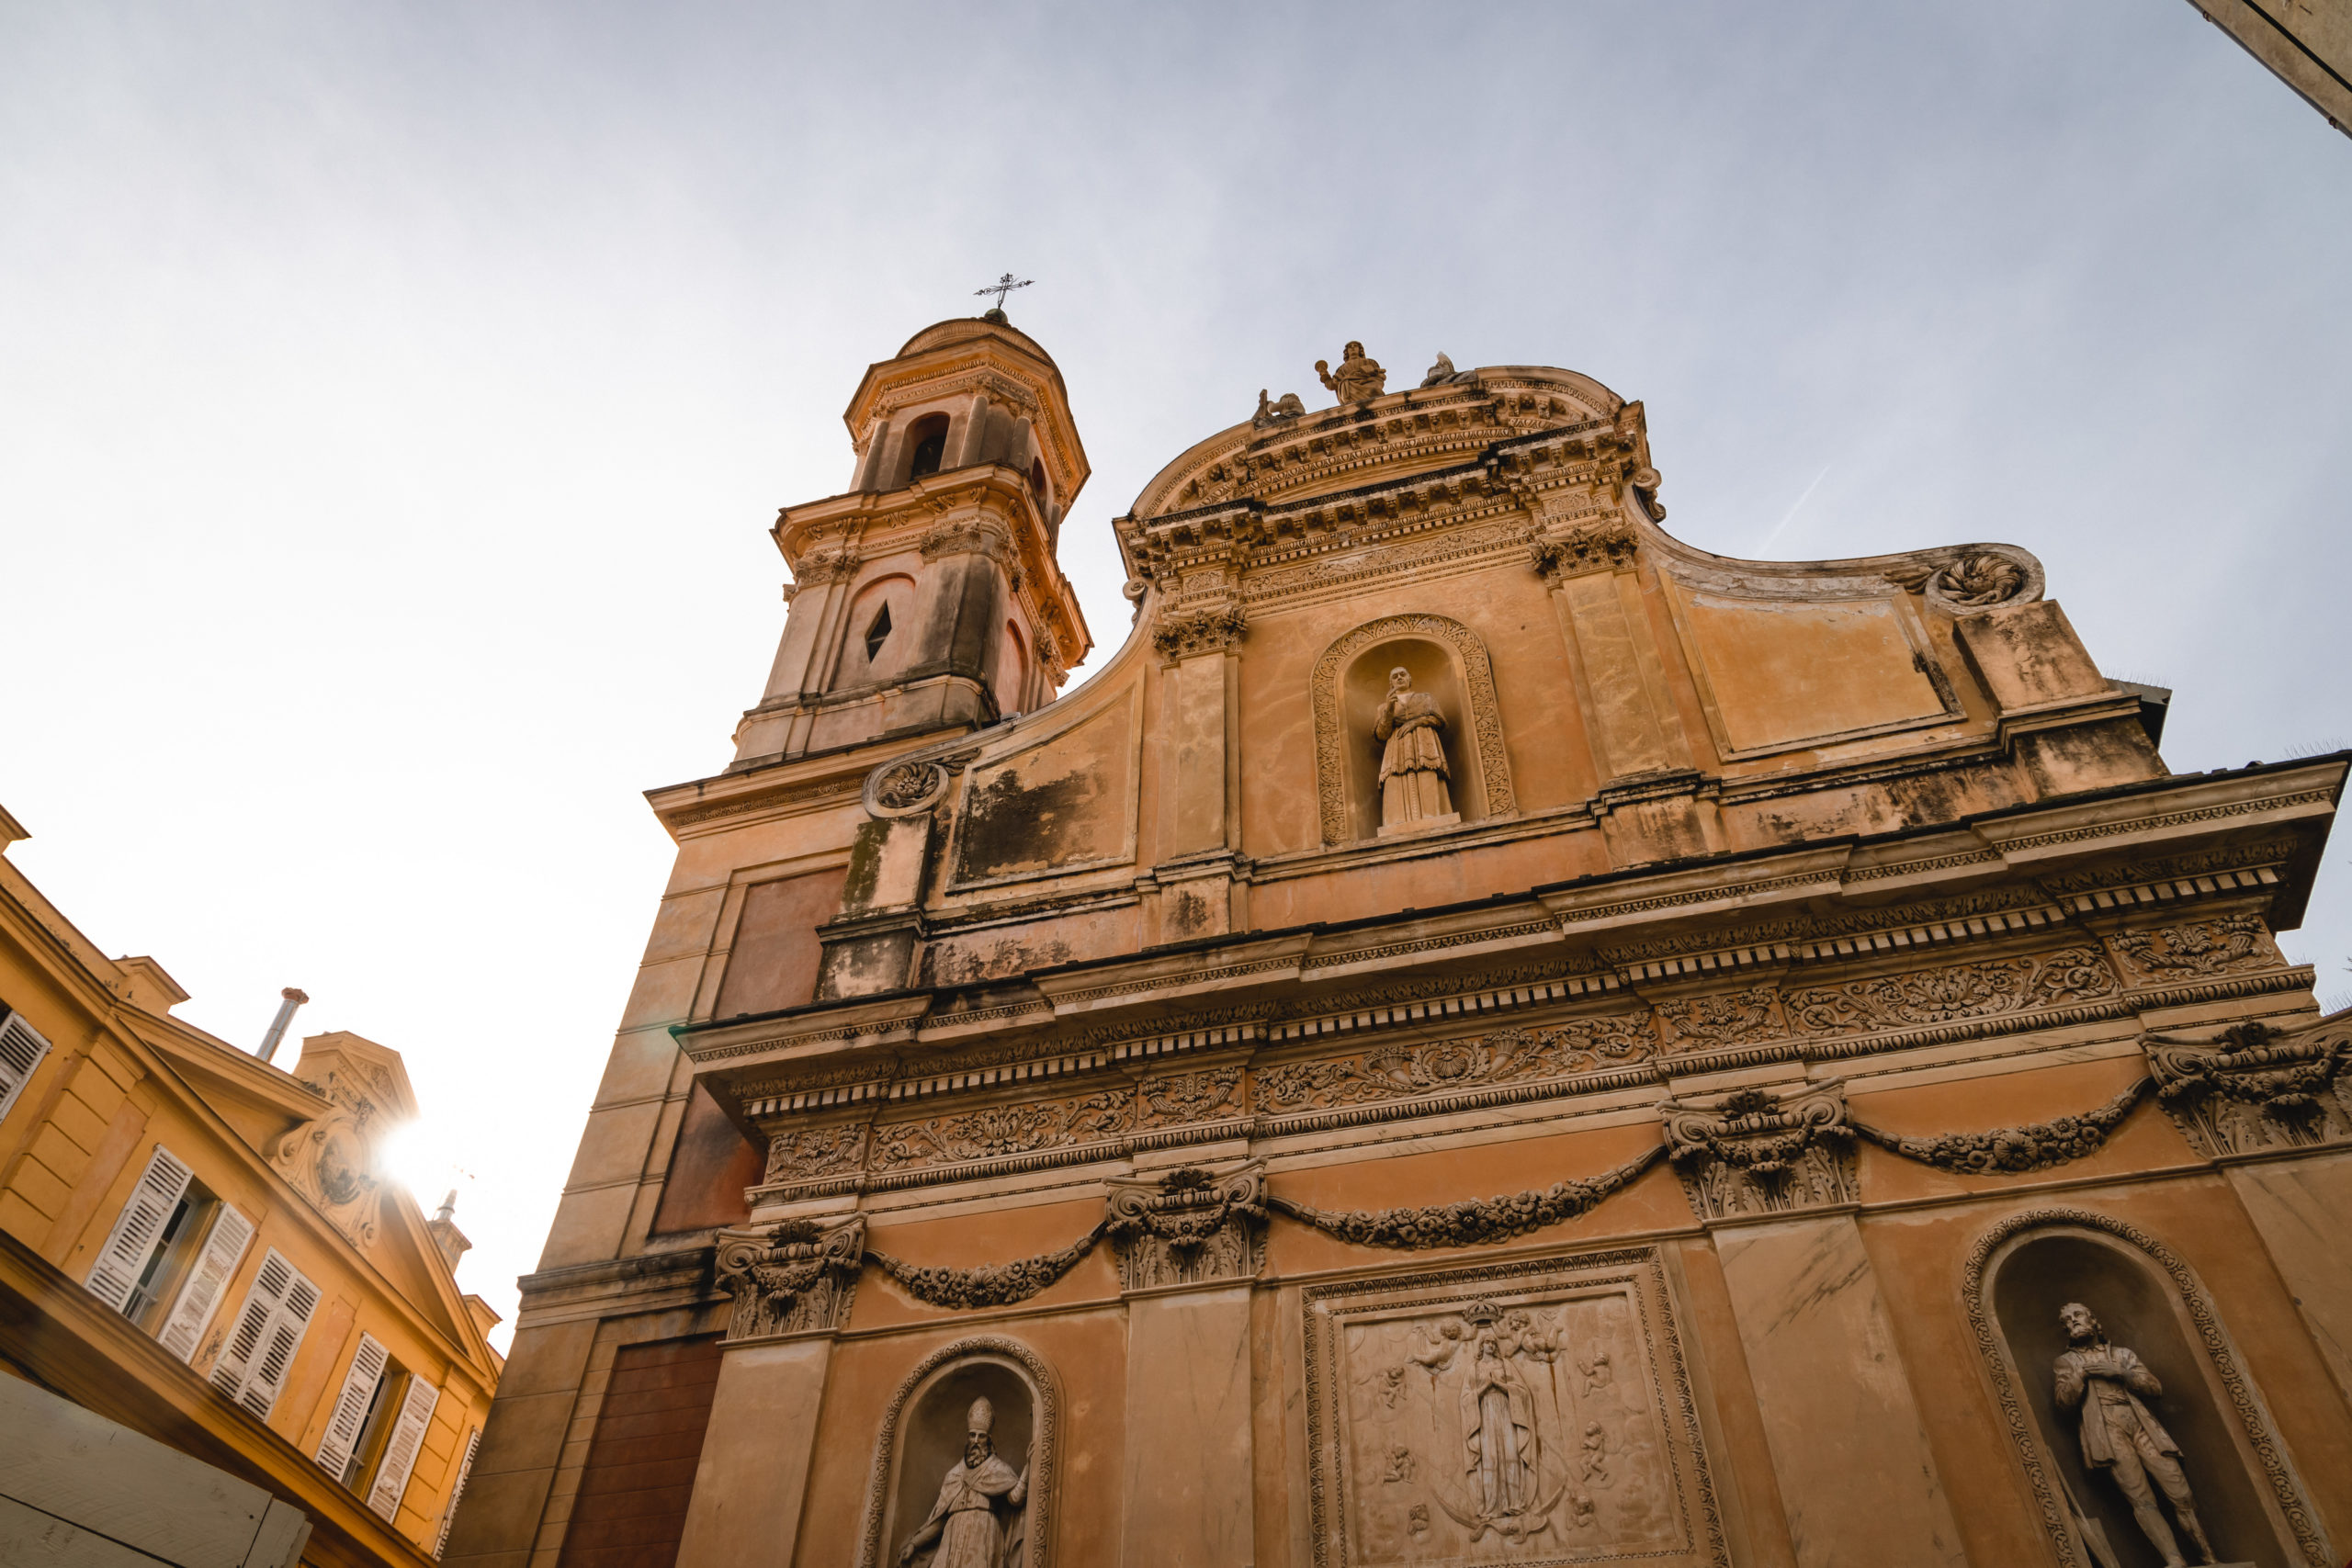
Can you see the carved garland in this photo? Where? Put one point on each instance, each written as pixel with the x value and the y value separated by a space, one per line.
pixel 1478 682
pixel 1046 1433
pixel 2007 1151
pixel 999 1284
pixel 1472 1222
pixel 2208 1330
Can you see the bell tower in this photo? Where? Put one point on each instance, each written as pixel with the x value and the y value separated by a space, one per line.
pixel 926 596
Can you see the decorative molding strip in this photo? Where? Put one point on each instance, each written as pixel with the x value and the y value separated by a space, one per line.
pixel 1474 1221
pixel 1508 1055
pixel 2093 830
pixel 768 800
pixel 1984 989
pixel 2012 1151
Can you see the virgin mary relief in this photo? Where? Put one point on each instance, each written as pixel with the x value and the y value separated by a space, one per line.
pixel 1414 788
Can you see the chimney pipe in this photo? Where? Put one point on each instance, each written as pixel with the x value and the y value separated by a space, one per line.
pixel 294 998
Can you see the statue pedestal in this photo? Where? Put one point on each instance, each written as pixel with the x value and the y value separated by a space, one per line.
pixel 1422 825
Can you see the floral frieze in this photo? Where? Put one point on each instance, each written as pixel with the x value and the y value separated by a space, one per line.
pixel 1948 995
pixel 1506 1056
pixel 2229 945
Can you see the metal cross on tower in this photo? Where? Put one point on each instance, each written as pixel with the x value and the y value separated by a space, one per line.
pixel 1002 287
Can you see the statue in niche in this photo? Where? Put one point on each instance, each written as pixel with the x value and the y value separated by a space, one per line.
pixel 1413 789
pixel 1358 378
pixel 978 1520
pixel 2107 1384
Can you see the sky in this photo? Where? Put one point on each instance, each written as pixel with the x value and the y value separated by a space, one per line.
pixel 394 398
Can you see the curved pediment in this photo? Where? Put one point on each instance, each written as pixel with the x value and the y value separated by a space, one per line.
pixel 1283 458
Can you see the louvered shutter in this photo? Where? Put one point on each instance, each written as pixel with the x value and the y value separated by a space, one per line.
pixel 351 1406
pixel 457 1493
pixel 399 1453
pixel 269 1329
pixel 21 1050
pixel 124 1258
pixel 215 1267
pixel 287 1326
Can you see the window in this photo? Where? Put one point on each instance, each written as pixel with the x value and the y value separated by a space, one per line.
pixel 877 634
pixel 269 1329
pixel 930 439
pixel 21 1050
pixel 170 1255
pixel 457 1493
pixel 377 1426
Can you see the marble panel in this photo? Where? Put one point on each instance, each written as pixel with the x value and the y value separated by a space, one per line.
pixel 1536 1412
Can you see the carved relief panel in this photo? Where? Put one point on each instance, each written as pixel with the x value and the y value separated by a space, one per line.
pixel 1536 1412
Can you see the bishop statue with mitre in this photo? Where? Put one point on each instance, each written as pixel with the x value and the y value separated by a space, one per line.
pixel 977 1520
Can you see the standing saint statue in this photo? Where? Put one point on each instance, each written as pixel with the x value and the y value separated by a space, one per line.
pixel 1412 766
pixel 1358 378
pixel 978 1519
pixel 2107 1384
pixel 1499 1429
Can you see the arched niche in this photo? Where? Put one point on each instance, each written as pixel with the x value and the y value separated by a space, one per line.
pixel 877 632
pixel 922 1437
pixel 1445 658
pixel 2146 1300
pixel 1011 670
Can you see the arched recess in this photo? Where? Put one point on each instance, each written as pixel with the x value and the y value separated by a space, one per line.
pixel 877 633
pixel 2147 1300
pixel 923 1433
pixel 1343 779
pixel 1011 670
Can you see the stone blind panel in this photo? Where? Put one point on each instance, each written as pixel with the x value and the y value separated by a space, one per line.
pixel 631 1508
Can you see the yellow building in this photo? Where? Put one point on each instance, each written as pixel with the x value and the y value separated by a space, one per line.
pixel 203 1247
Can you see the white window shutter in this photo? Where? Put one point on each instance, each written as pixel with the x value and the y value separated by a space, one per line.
pixel 400 1453
pixel 132 1241
pixel 457 1493
pixel 215 1267
pixel 21 1050
pixel 270 1327
pixel 287 1326
pixel 263 1298
pixel 351 1406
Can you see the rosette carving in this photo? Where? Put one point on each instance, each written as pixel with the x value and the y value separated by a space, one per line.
pixel 903 789
pixel 1188 1227
pixel 791 1278
pixel 1752 1152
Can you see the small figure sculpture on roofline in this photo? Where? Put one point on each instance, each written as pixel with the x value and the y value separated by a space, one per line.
pixel 1413 790
pixel 979 1518
pixel 1439 373
pixel 1358 378
pixel 1283 407
pixel 2107 1384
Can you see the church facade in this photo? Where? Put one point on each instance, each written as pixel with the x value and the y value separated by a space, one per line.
pixel 1483 1034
